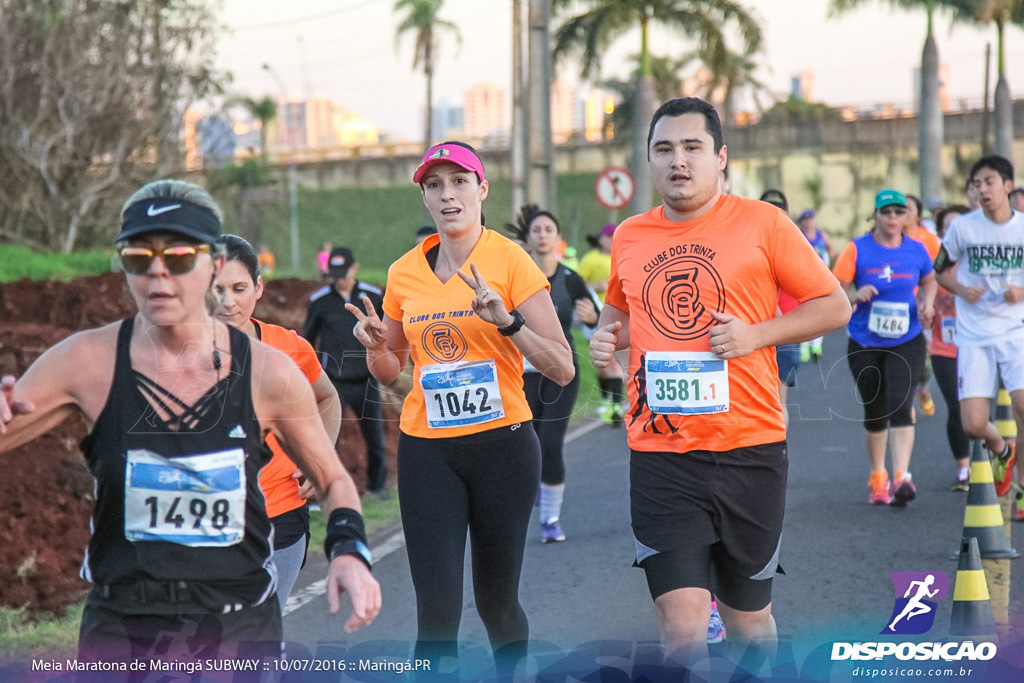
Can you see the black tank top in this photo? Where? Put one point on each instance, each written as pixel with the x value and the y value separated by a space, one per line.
pixel 180 499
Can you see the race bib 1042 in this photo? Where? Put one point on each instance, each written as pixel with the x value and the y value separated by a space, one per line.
pixel 459 394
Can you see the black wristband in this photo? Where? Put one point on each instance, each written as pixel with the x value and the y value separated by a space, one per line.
pixel 517 324
pixel 346 535
pixel 352 547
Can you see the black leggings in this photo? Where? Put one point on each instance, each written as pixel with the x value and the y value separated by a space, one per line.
pixel 552 407
pixel 886 380
pixel 484 482
pixel 946 377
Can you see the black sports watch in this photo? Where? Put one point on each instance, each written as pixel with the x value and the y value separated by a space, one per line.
pixel 517 324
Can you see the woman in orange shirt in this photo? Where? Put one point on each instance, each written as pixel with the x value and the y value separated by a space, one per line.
pixel 238 286
pixel 468 457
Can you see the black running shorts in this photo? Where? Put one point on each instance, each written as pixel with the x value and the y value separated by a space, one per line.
pixel 710 520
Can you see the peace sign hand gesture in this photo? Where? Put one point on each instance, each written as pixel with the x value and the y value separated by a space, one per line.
pixel 487 304
pixel 369 331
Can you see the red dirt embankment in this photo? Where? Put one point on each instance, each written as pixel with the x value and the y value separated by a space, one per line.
pixel 46 491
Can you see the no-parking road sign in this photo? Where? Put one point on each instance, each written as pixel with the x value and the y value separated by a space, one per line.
pixel 614 187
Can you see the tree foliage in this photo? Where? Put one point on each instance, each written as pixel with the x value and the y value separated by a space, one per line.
pixel 667 84
pixel 592 31
pixel 422 20
pixel 92 95
pixel 795 111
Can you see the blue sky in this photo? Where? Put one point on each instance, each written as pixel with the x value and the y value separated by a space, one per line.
pixel 346 50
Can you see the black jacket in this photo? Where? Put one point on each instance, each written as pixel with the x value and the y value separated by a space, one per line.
pixel 329 329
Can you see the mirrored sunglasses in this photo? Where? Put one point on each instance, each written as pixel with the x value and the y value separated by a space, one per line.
pixel 178 259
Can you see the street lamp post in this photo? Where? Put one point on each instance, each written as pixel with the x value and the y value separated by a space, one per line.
pixel 293 189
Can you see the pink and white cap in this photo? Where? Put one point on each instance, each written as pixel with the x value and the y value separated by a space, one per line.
pixel 456 154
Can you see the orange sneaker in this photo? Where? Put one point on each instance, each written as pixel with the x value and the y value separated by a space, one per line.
pixel 1002 468
pixel 879 485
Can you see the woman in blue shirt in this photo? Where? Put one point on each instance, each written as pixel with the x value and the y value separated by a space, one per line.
pixel 889 280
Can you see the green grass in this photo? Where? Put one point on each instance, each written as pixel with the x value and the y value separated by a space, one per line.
pixel 378 224
pixel 377 514
pixel 24 636
pixel 18 262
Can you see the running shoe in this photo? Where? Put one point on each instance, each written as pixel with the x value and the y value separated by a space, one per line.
pixel 805 352
pixel 1002 469
pixel 1017 513
pixel 903 492
pixel 879 485
pixel 924 397
pixel 551 532
pixel 716 629
pixel 963 482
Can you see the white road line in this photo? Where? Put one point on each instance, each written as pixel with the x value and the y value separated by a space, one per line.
pixel 301 598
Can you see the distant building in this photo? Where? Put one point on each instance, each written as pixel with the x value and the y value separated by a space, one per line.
pixel 802 86
pixel 320 123
pixel 352 131
pixel 217 142
pixel 563 111
pixel 289 127
pixel 486 111
pixel 447 122
pixel 598 107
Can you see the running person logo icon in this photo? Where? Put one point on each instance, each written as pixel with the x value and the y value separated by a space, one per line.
pixel 914 612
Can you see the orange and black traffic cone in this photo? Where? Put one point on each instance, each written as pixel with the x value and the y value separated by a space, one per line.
pixel 972 608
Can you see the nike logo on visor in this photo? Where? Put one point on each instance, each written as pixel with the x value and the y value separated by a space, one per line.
pixel 153 211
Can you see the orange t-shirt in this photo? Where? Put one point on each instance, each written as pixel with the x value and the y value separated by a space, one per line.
pixel 441 328
pixel 667 276
pixel 930 241
pixel 279 489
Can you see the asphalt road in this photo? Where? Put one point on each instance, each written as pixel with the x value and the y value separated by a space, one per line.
pixel 589 608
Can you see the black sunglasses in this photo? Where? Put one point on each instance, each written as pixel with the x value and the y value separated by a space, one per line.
pixel 179 259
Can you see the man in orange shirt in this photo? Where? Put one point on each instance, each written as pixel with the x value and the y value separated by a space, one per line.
pixel 693 293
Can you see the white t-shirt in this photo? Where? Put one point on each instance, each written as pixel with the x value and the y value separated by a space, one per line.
pixel 990 255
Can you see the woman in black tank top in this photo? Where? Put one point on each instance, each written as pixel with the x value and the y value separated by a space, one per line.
pixel 180 557
pixel 552 405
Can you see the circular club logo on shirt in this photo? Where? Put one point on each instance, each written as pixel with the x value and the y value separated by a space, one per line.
pixel 443 342
pixel 678 294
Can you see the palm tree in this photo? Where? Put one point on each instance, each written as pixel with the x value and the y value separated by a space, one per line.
pixel 667 84
pixel 603 21
pixel 729 74
pixel 930 127
pixel 1000 13
pixel 422 20
pixel 263 110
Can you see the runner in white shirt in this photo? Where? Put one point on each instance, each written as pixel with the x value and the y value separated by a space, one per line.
pixel 982 263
